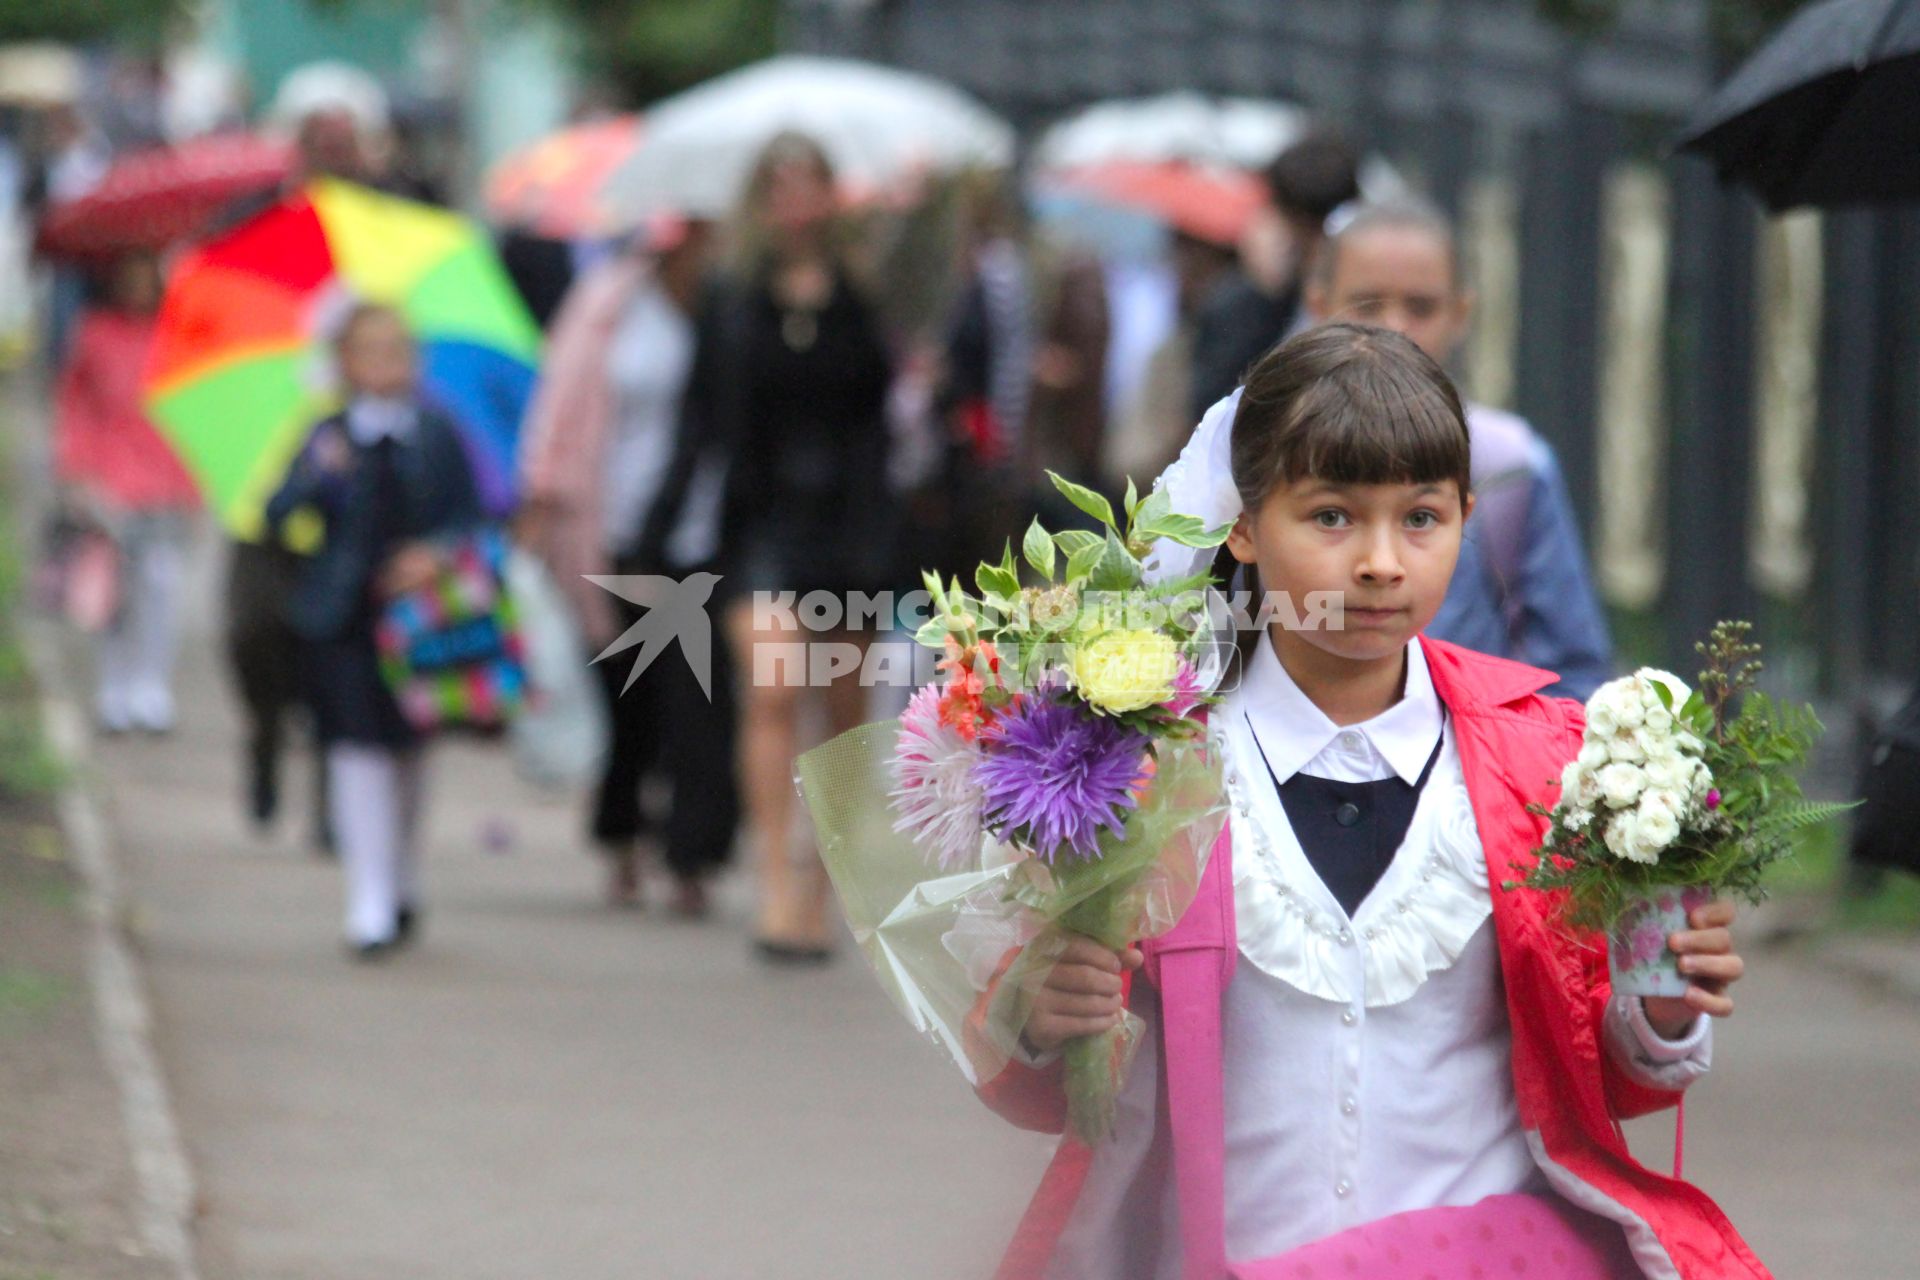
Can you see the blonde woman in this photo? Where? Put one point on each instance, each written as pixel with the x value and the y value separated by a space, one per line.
pixel 799 386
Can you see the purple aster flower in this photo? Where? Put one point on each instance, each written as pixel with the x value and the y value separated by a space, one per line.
pixel 1057 775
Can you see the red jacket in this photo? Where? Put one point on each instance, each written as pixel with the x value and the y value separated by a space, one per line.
pixel 1513 744
pixel 103 439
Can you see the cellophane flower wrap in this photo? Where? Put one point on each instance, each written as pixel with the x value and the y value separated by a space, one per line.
pixel 1053 781
pixel 1678 788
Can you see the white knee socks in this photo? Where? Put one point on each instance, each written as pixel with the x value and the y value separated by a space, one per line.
pixel 374 801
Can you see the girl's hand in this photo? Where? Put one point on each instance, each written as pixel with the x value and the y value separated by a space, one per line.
pixel 1081 996
pixel 412 567
pixel 332 453
pixel 1708 958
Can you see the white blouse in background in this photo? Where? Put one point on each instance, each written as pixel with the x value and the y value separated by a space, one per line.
pixel 1367 1059
pixel 648 364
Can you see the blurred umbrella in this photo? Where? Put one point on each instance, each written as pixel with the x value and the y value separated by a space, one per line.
pixel 233 377
pixel 154 198
pixel 556 188
pixel 40 74
pixel 880 127
pixel 1227 133
pixel 1827 112
pixel 1215 205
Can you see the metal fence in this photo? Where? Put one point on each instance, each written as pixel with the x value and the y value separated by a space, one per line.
pixel 1735 399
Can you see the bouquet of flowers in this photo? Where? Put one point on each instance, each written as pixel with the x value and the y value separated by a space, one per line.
pixel 1677 795
pixel 1053 782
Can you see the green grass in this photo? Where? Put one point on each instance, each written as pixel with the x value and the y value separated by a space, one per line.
pixel 27 768
pixel 26 994
pixel 1865 901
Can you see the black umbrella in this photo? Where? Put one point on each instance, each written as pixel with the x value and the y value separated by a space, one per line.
pixel 1827 112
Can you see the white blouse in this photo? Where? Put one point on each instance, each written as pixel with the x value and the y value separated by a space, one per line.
pixel 648 364
pixel 1367 1058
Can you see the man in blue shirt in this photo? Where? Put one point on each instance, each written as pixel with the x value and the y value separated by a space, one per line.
pixel 1522 589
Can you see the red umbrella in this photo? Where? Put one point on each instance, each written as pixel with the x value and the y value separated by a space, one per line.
pixel 1210 204
pixel 151 199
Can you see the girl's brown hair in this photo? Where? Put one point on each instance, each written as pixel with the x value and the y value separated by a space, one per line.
pixel 1348 404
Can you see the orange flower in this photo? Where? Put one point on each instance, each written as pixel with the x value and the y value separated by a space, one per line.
pixel 962 707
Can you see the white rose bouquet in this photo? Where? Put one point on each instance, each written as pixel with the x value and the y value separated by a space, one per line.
pixel 1677 795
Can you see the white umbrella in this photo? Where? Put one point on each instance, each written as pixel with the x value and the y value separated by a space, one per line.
pixel 877 125
pixel 1235 133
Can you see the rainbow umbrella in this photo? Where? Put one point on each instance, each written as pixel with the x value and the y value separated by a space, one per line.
pixel 237 373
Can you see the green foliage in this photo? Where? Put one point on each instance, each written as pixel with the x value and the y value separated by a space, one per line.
pixel 136 22
pixel 27 767
pixel 653 48
pixel 1106 562
pixel 28 994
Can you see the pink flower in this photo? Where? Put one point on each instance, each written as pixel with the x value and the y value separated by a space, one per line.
pixel 936 795
pixel 1649 943
pixel 1187 690
pixel 1713 799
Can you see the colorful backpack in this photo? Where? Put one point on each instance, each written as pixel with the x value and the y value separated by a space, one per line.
pixel 452 651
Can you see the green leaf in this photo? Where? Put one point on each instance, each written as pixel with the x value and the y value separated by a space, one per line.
pixel 1038 549
pixel 1116 569
pixel 1154 507
pixel 1188 531
pixel 1663 693
pixel 1197 582
pixel 1080 562
pixel 932 633
pixel 997 580
pixel 1084 498
pixel 1074 541
pixel 935 591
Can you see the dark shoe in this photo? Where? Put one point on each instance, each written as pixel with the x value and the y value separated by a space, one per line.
pixel 323 843
pixel 405 921
pixel 263 793
pixel 791 955
pixel 690 898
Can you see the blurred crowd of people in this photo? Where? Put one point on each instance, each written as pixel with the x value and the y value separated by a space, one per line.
pixel 809 394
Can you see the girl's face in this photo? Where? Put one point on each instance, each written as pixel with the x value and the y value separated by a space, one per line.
pixel 1384 552
pixel 798 196
pixel 377 357
pixel 1398 278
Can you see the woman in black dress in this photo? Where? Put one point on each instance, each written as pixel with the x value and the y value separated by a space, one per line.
pixel 802 378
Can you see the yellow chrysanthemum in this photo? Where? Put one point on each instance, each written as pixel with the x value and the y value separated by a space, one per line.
pixel 1125 670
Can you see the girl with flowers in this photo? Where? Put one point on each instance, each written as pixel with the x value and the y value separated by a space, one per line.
pixel 1365 1056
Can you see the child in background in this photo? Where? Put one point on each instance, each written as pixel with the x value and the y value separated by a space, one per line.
pixel 386 475
pixel 119 473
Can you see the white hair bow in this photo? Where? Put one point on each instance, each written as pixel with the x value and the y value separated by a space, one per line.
pixel 1199 483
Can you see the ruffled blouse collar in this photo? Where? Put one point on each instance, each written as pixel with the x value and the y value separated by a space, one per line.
pixel 1416 922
